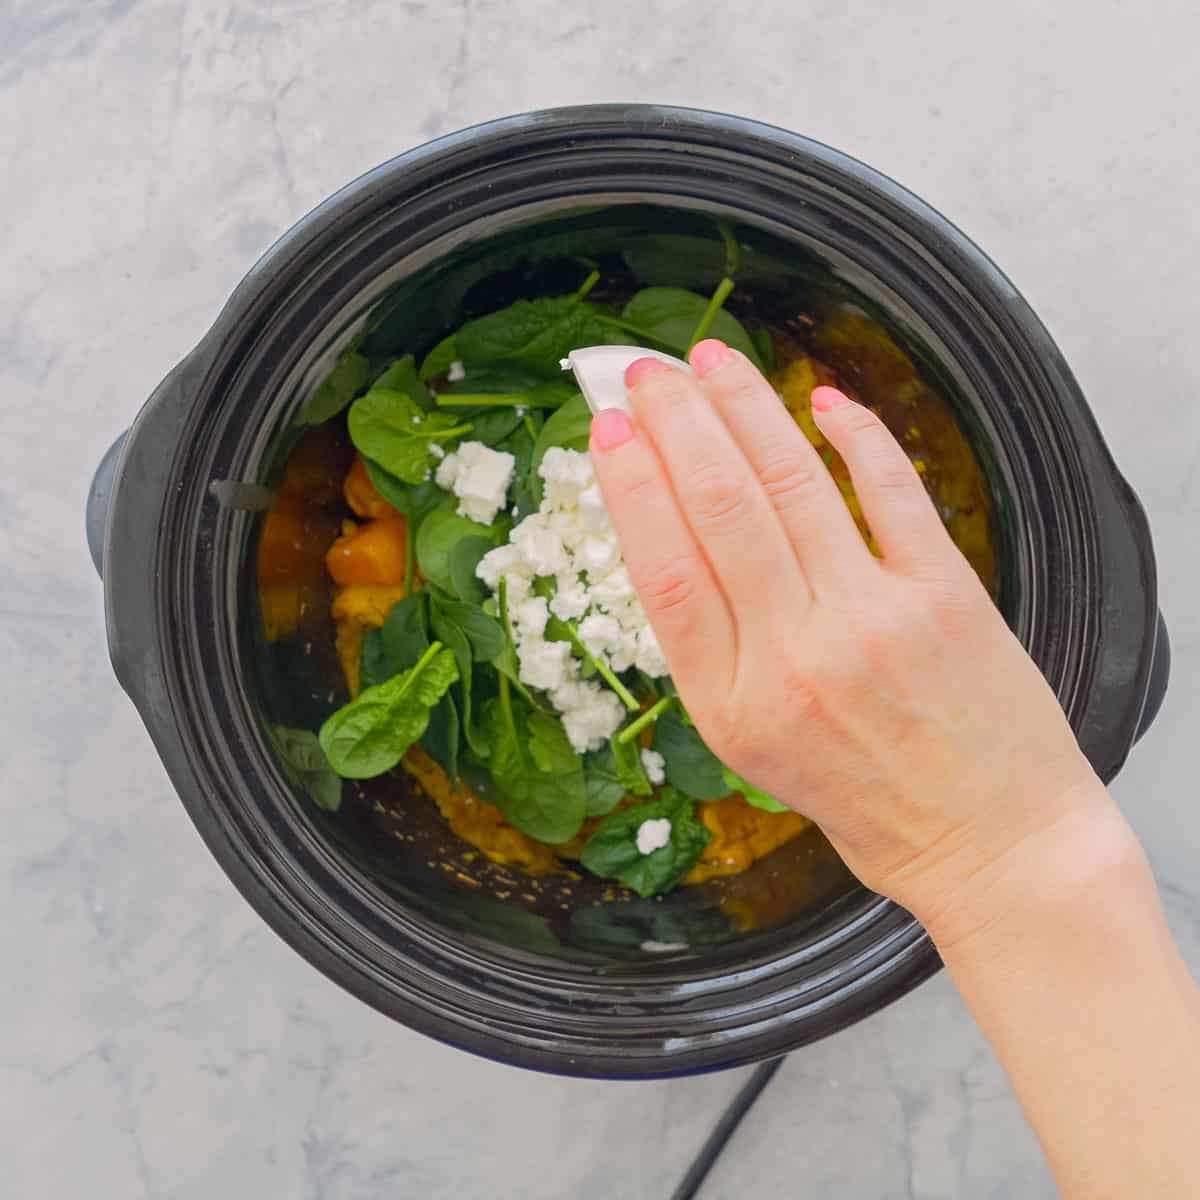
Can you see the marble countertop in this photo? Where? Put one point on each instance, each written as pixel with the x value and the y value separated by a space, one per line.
pixel 158 1040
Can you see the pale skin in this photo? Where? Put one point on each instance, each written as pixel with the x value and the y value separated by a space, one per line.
pixel 887 700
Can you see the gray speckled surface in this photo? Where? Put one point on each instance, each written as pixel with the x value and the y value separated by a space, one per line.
pixel 157 1040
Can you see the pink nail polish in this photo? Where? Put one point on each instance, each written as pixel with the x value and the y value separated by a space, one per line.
pixel 826 398
pixel 640 368
pixel 708 355
pixel 611 428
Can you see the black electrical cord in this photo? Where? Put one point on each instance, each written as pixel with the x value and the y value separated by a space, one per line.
pixel 716 1141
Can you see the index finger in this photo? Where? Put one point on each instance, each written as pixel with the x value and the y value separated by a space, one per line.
pixel 684 604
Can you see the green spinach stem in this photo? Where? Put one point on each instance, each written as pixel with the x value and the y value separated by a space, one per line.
pixel 587 285
pixel 437 434
pixel 602 669
pixel 710 313
pixel 502 601
pixel 731 249
pixel 495 400
pixel 651 715
pixel 510 721
pixel 419 666
pixel 530 427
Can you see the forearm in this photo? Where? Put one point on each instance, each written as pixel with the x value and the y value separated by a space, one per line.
pixel 1066 962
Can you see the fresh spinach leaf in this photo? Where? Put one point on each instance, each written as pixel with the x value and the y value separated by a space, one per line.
pixel 464 558
pixel 689 764
pixel 627 759
pixel 348 377
pixel 552 394
pixel 499 378
pixel 451 635
pixel 612 849
pixel 389 428
pixel 370 735
pixel 536 333
pixel 537 778
pixel 765 345
pixel 602 784
pixel 670 316
pixel 569 427
pixel 752 795
pixel 520 445
pixel 490 425
pixel 401 376
pixel 443 737
pixel 374 667
pixel 440 532
pixel 438 360
pixel 306 766
pixel 398 644
pixel 483 632
pixel 415 500
pixel 474 637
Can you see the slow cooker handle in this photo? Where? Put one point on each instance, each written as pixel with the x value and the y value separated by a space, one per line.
pixel 99 500
pixel 1160 672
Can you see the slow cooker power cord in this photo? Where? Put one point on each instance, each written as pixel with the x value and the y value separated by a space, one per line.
pixel 724 1129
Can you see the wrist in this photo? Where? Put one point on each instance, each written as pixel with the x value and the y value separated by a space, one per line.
pixel 1086 855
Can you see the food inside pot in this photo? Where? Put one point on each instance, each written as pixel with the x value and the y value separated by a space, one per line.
pixel 491 648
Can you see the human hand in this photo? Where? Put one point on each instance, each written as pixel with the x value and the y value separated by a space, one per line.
pixel 884 698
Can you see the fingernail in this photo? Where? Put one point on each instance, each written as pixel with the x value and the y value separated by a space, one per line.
pixel 708 355
pixel 640 368
pixel 611 427
pixel 826 398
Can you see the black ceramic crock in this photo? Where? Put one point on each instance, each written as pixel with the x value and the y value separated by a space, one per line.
pixel 177 504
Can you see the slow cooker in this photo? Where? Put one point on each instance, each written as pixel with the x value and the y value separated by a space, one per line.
pixel 631 989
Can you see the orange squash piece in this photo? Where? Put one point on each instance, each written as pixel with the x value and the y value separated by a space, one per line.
pixel 370 554
pixel 361 495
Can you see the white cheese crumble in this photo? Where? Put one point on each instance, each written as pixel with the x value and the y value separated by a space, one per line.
pixel 655 766
pixel 570 540
pixel 653 835
pixel 456 372
pixel 479 476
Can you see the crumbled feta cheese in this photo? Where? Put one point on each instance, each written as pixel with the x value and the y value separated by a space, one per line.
pixel 504 560
pixel 622 655
pixel 456 372
pixel 653 835
pixel 592 513
pixel 614 590
pixel 597 555
pixel 517 587
pixel 568 467
pixel 565 474
pixel 530 616
pixel 544 664
pixel 539 546
pixel 436 450
pixel 564 524
pixel 571 540
pixel 655 766
pixel 649 656
pixel 447 472
pixel 571 599
pixel 599 632
pixel 595 717
pixel 479 476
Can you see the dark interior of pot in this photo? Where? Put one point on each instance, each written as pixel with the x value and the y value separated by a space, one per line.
pixel 811 303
